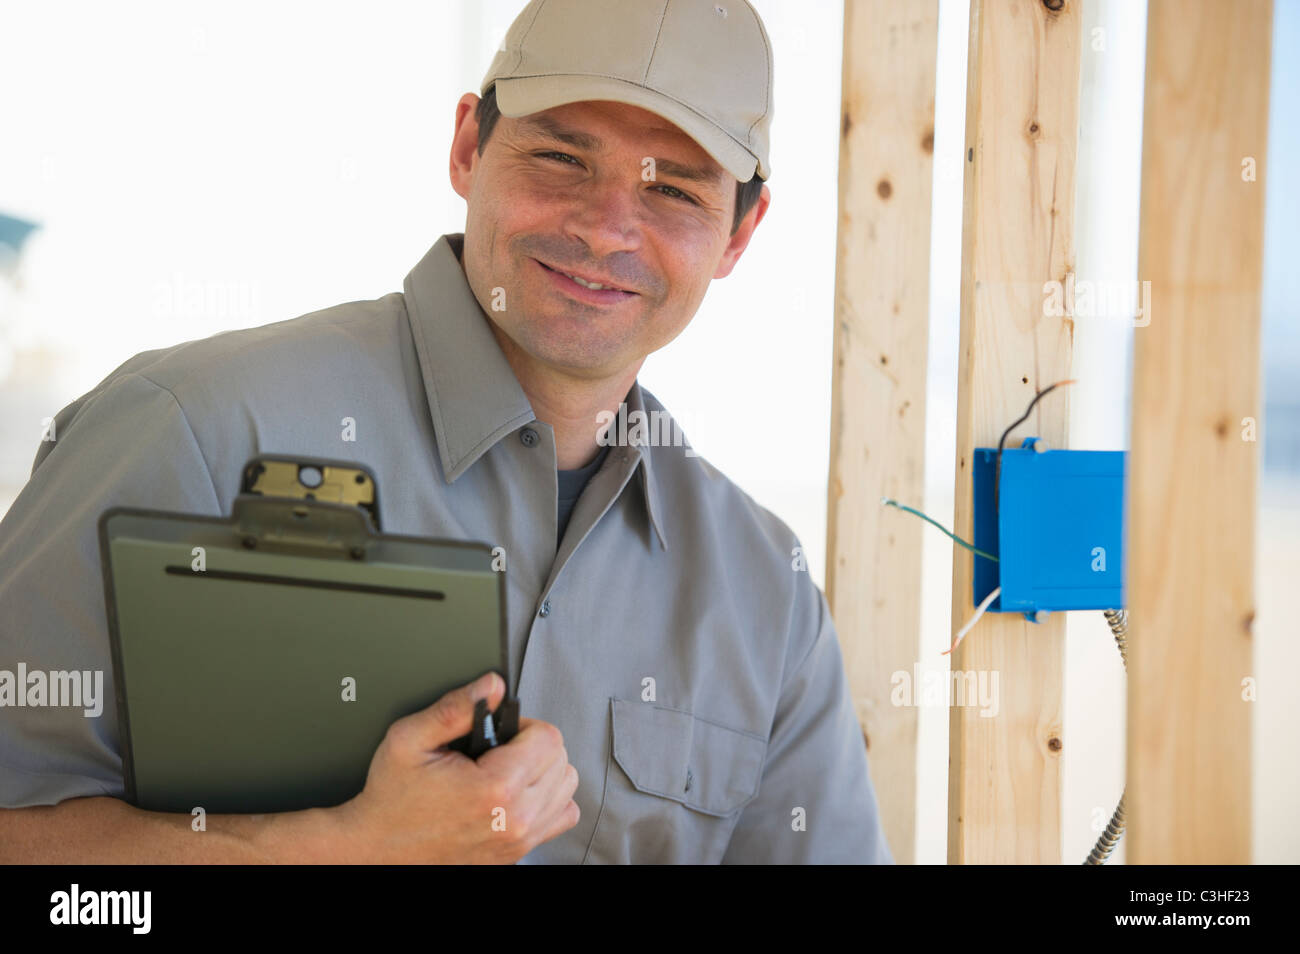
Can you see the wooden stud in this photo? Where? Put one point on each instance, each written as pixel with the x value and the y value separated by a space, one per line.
pixel 1022 108
pixel 1192 475
pixel 873 560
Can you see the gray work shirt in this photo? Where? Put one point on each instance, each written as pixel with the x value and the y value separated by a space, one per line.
pixel 691 666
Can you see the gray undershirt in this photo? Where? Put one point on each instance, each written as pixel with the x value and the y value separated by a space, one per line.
pixel 571 483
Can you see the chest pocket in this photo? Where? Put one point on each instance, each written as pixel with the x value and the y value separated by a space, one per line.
pixel 674 786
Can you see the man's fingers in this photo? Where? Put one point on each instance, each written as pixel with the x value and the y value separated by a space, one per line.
pixel 547 801
pixel 536 802
pixel 451 717
pixel 567 817
pixel 550 785
pixel 525 758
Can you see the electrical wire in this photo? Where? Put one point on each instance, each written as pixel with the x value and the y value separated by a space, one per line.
pixel 970 624
pixel 1118 620
pixel 997 473
pixel 886 501
pixel 1110 837
pixel 1106 842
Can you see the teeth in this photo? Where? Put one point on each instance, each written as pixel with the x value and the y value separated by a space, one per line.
pixel 586 284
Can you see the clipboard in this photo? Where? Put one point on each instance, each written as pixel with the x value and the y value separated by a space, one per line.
pixel 259 659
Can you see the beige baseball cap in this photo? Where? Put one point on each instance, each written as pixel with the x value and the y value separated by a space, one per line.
pixel 705 66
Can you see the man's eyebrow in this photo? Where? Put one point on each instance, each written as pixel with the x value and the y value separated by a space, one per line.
pixel 547 126
pixel 695 174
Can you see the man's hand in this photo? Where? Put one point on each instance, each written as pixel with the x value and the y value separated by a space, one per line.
pixel 425 803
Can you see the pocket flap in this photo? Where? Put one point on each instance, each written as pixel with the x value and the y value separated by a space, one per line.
pixel 674 754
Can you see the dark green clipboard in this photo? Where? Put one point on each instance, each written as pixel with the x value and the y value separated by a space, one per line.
pixel 229 679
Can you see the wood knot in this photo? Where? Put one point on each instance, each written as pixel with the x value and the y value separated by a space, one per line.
pixel 1054 744
pixel 884 189
pixel 1221 427
pixel 1054 5
pixel 927 141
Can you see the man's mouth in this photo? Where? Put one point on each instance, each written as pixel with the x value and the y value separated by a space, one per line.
pixel 586 282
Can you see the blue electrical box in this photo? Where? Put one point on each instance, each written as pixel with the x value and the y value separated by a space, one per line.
pixel 1057 528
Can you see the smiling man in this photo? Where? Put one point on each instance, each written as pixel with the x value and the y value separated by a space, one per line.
pixel 679 673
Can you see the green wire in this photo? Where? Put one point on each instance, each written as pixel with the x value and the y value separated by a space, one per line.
pixel 956 539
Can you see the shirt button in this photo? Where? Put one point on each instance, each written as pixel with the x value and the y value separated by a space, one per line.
pixel 528 437
pixel 546 608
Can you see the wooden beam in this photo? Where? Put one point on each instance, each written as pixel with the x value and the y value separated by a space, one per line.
pixel 1022 106
pixel 1192 475
pixel 882 275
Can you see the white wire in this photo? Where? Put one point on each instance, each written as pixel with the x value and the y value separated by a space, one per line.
pixel 973 620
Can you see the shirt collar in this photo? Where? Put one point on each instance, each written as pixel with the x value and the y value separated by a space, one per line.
pixel 474 397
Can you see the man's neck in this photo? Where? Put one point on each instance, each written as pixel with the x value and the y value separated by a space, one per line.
pixel 571 406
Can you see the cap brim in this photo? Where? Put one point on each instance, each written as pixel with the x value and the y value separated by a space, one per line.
pixel 521 95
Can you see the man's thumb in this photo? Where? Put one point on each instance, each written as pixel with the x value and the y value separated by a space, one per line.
pixel 453 715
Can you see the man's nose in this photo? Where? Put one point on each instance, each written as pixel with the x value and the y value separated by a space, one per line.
pixel 608 216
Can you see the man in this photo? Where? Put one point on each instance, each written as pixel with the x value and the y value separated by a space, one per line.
pixel 680 676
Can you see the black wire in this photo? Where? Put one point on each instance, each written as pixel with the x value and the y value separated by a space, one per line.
pixel 997 475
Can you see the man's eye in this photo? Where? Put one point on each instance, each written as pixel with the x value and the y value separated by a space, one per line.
pixel 679 193
pixel 547 155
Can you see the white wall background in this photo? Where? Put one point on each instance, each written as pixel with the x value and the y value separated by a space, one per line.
pixel 209 166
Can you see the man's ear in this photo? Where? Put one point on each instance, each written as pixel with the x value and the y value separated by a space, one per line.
pixel 740 240
pixel 464 146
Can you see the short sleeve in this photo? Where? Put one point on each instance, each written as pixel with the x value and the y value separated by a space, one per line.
pixel 128 443
pixel 815 804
